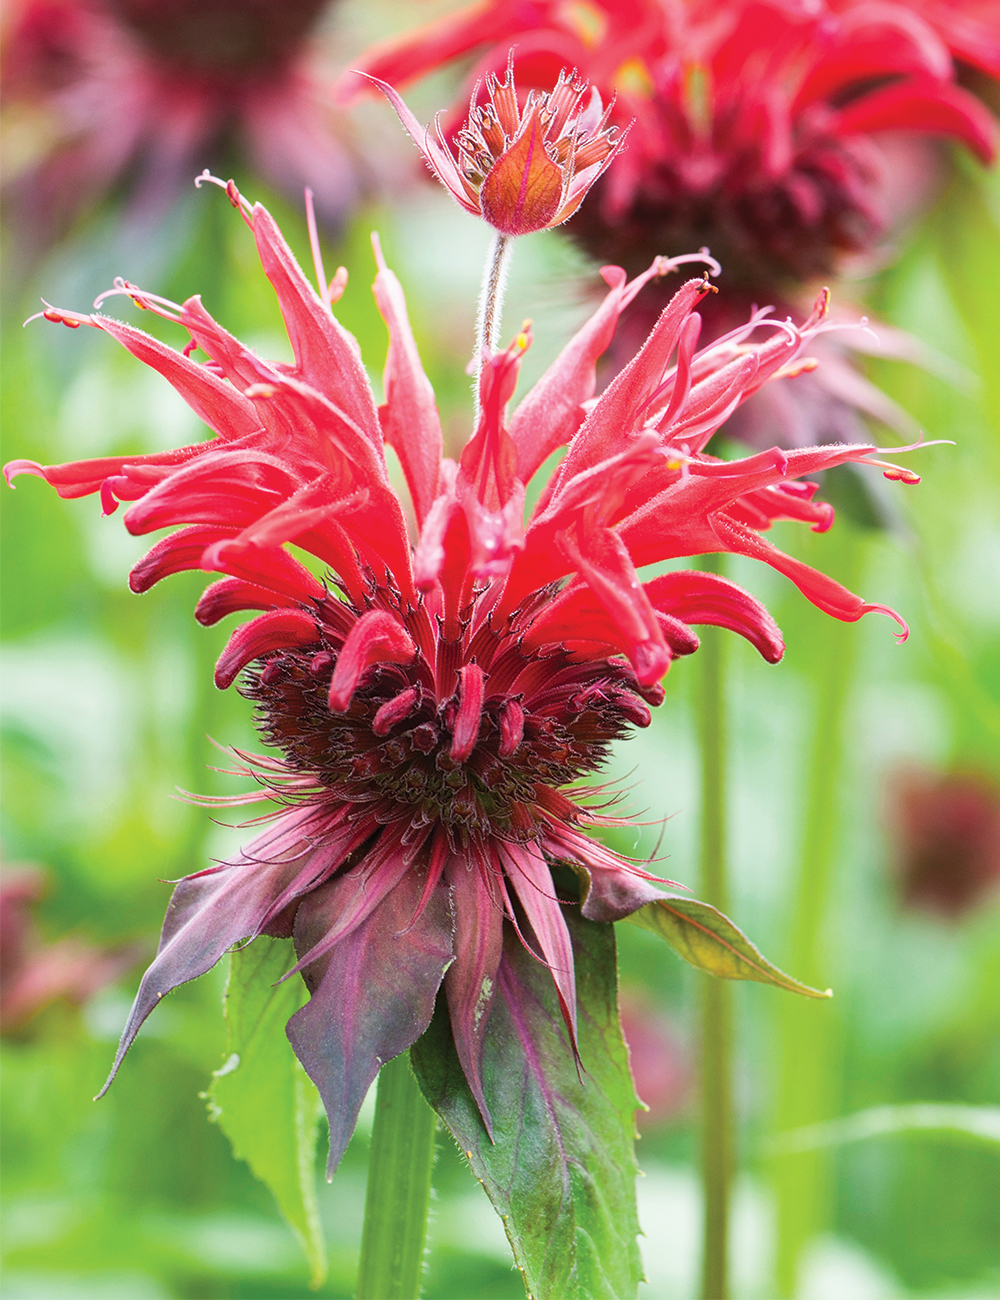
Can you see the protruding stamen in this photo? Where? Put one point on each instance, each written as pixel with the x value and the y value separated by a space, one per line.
pixel 470 713
pixel 395 710
pixel 511 728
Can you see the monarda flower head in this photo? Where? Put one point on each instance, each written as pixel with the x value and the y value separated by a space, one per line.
pixel 757 126
pixel 433 703
pixel 784 136
pixel 99 92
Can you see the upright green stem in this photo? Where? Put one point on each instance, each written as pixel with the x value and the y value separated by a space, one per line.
pixel 491 303
pixel 399 1187
pixel 806 1085
pixel 716 1029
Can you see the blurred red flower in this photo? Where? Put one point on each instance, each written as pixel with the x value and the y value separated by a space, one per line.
pixel 660 1065
pixel 754 121
pixel 34 973
pixel 945 832
pixel 147 92
pixel 783 135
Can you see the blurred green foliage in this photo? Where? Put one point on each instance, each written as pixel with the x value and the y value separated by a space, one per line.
pixel 108 698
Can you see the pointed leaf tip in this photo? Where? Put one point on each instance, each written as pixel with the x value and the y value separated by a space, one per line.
pixel 707 939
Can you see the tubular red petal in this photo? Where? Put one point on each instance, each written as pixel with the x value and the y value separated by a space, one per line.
pixel 618 408
pixel 375 638
pixel 824 592
pixel 410 421
pixel 465 731
pixel 551 411
pixel 698 597
pixel 276 631
pixel 219 487
pixel 15 467
pixel 219 404
pixel 604 564
pixel 395 710
pixel 233 596
pixel 930 108
pixel 175 554
pixel 269 567
pixel 327 356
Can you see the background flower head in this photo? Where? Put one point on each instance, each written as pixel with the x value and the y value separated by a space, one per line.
pixel 143 94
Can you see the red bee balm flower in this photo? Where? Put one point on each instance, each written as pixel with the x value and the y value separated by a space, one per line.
pixel 435 702
pixel 758 126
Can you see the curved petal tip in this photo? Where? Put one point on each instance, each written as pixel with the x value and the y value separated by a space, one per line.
pixel 904 631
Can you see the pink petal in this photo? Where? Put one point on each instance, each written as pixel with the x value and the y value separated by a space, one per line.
pixel 327 356
pixel 276 631
pixel 375 638
pixel 529 874
pixel 410 417
pixel 470 983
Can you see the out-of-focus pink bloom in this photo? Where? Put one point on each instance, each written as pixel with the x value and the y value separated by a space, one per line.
pixel 436 699
pixel 755 121
pixel 146 92
pixel 521 168
pixel 945 832
pixel 34 973
pixel 660 1066
pixel 784 135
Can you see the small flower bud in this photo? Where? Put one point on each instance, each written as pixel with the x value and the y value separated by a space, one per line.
pixel 521 167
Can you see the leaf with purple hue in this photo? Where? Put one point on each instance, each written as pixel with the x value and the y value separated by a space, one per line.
pixel 372 995
pixel 706 938
pixel 262 1099
pixel 561 1172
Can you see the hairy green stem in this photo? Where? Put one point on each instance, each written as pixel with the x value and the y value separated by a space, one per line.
pixel 806 1087
pixel 716 1025
pixel 491 303
pixel 399 1187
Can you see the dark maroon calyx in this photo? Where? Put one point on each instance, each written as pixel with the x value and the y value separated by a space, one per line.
pixel 427 755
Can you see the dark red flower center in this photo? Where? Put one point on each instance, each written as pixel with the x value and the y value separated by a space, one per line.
pixel 220 36
pixel 427 742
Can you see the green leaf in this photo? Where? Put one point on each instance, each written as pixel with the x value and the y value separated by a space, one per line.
pixel 561 1172
pixel 262 1099
pixel 704 937
pixel 980 1123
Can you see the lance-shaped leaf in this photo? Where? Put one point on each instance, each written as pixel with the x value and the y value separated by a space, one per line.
pixel 561 1172
pixel 706 938
pixel 262 1099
